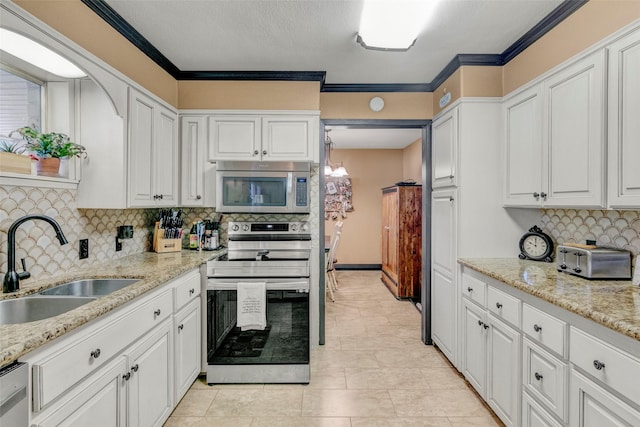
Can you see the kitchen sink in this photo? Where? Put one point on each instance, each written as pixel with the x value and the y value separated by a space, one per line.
pixel 30 309
pixel 89 287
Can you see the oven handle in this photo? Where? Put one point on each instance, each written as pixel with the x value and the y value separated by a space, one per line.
pixel 216 284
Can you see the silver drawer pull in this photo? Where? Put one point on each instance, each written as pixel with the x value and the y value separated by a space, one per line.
pixel 485 326
pixel 180 327
pixel 135 368
pixel 598 365
pixel 480 323
pixel 537 328
pixel 157 312
pixel 126 376
pixel 498 305
pixel 95 353
pixel 469 289
pixel 538 376
pixel 192 291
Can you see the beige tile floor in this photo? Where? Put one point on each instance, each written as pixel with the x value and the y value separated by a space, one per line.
pixel 372 371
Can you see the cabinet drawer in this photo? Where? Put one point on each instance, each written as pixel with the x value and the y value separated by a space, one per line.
pixel 186 289
pixel 533 415
pixel 474 289
pixel 617 369
pixel 545 377
pixel 504 306
pixel 57 373
pixel 545 329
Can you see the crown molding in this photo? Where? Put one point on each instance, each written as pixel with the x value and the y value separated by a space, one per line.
pixel 109 15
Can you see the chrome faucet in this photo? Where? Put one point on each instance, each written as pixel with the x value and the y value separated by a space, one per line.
pixel 12 277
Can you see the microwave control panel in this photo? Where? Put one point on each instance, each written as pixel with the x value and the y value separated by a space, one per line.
pixel 301 192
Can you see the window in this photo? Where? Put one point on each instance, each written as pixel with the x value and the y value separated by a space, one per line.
pixel 20 102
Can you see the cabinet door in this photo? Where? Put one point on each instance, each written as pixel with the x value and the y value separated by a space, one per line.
pixel 444 149
pixel 234 138
pixel 288 137
pixel 390 205
pixel 574 134
pixel 623 123
pixel 187 346
pixel 141 149
pixel 166 160
pixel 533 415
pixel 151 381
pixel 443 323
pixel 443 230
pixel 193 148
pixel 474 345
pixel 593 406
pixel 503 371
pixel 523 139
pixel 99 401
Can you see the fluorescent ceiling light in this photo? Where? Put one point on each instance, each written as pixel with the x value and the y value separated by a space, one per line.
pixel 393 24
pixel 38 55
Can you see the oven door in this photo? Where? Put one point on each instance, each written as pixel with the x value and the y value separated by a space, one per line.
pixel 285 340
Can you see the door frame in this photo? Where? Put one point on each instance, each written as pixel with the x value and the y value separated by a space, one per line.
pixel 425 297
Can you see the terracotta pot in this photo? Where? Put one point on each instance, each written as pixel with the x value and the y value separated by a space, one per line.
pixel 48 167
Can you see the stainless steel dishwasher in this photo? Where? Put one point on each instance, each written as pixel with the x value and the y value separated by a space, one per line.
pixel 14 405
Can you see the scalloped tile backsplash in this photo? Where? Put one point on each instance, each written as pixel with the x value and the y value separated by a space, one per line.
pixel 36 242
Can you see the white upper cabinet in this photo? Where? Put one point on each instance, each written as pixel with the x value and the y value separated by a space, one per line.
pixel 153 153
pixel 624 122
pixel 263 137
pixel 568 139
pixel 197 174
pixel 574 134
pixel 234 138
pixel 444 149
pixel 523 129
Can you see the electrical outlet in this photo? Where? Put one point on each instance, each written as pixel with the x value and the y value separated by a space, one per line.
pixel 118 244
pixel 83 248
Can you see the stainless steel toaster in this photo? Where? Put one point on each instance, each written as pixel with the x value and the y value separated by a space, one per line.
pixel 593 262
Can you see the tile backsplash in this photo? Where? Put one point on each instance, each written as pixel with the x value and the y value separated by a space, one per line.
pixel 616 229
pixel 45 257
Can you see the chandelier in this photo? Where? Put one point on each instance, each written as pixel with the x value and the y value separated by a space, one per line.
pixel 330 168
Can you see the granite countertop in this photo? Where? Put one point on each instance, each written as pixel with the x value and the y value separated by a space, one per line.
pixel 612 303
pixel 151 268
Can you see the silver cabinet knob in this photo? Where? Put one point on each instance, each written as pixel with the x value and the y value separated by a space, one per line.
pixel 157 312
pixel 126 376
pixel 451 177
pixel 180 327
pixel 543 195
pixel 598 365
pixel 198 197
pixel 498 305
pixel 538 376
pixel 469 289
pixel 537 328
pixel 536 195
pixel 264 152
pixel 95 353
pixel 255 152
pixel 192 291
pixel 134 368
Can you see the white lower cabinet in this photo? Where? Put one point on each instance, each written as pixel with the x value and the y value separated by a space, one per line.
pixel 534 416
pixel 97 402
pixel 187 347
pixel 121 369
pixel 594 406
pixel 491 360
pixel 150 378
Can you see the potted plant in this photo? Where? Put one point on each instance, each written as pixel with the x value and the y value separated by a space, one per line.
pixel 11 156
pixel 50 148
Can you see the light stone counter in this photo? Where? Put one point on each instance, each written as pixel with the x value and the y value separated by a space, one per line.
pixel 612 303
pixel 151 268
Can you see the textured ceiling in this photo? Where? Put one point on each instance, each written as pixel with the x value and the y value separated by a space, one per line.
pixel 319 35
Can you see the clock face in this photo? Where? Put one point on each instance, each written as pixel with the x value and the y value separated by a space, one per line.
pixel 535 246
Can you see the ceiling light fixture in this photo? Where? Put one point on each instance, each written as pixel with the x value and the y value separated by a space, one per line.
pixel 393 25
pixel 38 55
pixel 330 168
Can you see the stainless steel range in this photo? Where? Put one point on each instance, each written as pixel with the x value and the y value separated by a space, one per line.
pixel 265 275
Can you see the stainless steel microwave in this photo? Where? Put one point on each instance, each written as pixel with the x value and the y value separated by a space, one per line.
pixel 267 187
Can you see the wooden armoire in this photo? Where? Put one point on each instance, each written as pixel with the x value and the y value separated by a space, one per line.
pixel 402 240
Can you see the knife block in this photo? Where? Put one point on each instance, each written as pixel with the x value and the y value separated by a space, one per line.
pixel 162 245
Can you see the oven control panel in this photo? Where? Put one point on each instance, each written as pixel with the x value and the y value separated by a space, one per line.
pixel 271 228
